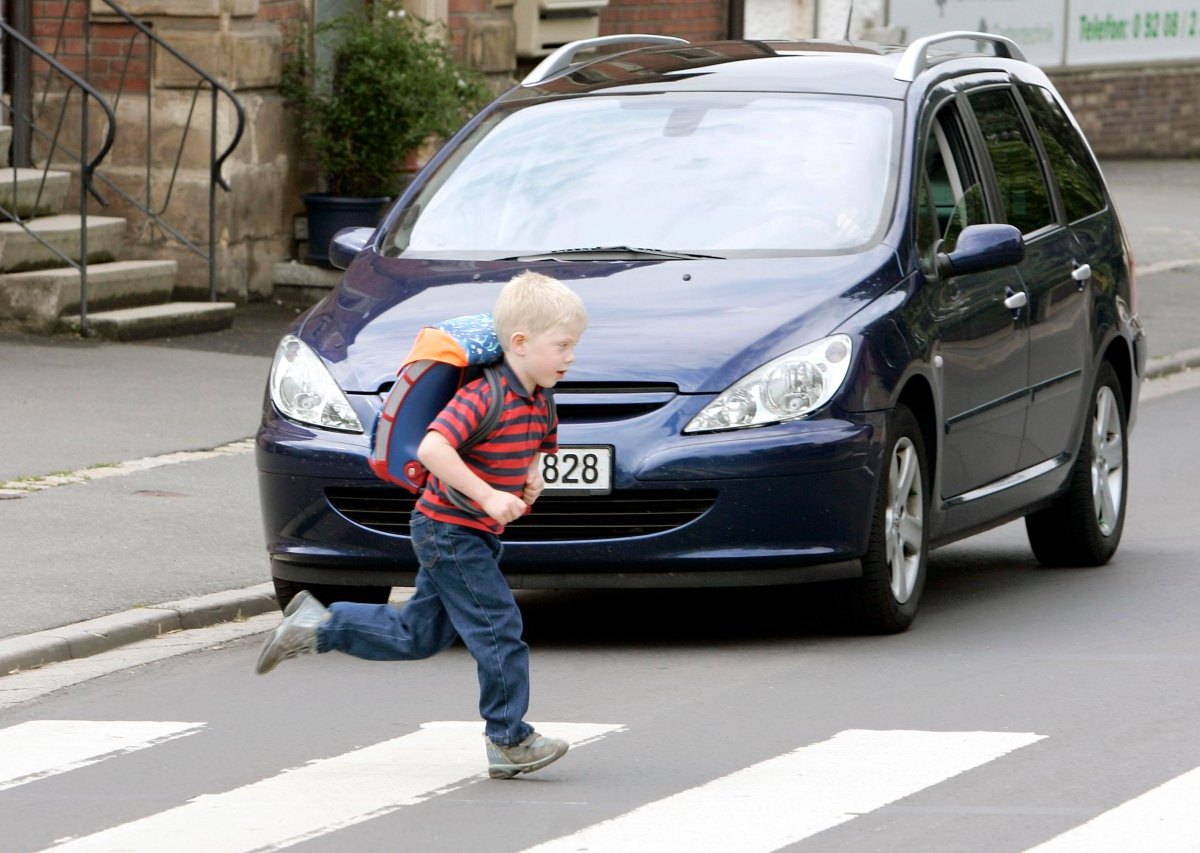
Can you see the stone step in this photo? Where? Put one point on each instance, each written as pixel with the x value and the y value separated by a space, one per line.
pixel 155 321
pixel 21 251
pixel 36 299
pixel 302 284
pixel 33 192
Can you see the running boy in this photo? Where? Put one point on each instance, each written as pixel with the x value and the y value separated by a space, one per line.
pixel 460 591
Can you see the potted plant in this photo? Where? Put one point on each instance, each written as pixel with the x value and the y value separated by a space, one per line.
pixel 391 83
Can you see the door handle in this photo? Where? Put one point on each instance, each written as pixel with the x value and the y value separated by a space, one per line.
pixel 1015 301
pixel 1081 274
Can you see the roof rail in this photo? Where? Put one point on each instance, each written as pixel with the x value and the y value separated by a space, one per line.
pixel 916 57
pixel 563 57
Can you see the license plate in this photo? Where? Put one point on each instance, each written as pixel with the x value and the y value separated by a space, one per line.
pixel 578 471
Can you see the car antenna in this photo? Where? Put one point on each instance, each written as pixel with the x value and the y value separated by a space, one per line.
pixel 849 14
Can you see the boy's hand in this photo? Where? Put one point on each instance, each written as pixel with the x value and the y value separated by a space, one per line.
pixel 534 486
pixel 503 506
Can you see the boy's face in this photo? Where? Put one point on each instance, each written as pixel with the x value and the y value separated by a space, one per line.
pixel 542 358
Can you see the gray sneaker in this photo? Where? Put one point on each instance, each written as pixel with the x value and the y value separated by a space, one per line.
pixel 533 753
pixel 296 634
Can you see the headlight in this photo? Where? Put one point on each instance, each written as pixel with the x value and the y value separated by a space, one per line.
pixel 303 389
pixel 789 387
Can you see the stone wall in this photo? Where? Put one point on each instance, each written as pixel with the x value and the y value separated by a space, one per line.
pixel 162 147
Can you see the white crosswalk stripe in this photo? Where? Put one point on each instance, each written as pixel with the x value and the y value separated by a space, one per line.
pixel 763 807
pixel 41 748
pixel 1164 820
pixel 785 799
pixel 323 796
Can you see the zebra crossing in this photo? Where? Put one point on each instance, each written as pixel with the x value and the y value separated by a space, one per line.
pixel 752 809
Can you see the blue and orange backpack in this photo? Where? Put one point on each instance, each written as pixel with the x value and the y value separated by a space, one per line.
pixel 443 358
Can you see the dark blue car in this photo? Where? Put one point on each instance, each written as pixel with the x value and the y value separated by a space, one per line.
pixel 848 302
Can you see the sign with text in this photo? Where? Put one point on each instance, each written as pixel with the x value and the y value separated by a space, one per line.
pixel 1105 32
pixel 1054 33
pixel 1035 25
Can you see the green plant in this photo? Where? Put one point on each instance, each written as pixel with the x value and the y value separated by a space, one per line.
pixel 391 84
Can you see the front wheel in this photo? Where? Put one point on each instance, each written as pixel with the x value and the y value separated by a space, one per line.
pixel 885 599
pixel 1083 525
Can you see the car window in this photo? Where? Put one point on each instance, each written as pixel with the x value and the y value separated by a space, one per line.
pixel 950 195
pixel 1075 172
pixel 714 173
pixel 1023 192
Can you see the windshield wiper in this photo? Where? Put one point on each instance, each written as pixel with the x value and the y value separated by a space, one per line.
pixel 611 253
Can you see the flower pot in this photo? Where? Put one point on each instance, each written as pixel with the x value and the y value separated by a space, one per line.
pixel 329 214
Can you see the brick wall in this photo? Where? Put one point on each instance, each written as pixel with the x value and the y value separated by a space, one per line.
pixel 461 11
pixel 58 28
pixel 1137 112
pixel 694 20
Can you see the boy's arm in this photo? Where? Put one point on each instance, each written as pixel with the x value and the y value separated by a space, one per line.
pixel 443 461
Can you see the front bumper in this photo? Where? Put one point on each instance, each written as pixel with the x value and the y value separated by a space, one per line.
pixel 780 504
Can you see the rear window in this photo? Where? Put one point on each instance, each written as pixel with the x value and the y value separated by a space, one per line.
pixel 710 173
pixel 1075 172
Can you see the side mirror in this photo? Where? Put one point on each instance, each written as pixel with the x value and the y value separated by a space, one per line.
pixel 347 243
pixel 981 248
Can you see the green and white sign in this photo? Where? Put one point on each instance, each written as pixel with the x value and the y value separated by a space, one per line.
pixel 1056 33
pixel 1108 32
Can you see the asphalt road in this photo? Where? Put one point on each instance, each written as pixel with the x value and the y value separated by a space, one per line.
pixel 1027 706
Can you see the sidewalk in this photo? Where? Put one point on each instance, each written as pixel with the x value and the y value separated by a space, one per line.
pixel 204 391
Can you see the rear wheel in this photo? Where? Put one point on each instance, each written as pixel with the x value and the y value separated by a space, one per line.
pixel 286 590
pixel 886 598
pixel 1083 525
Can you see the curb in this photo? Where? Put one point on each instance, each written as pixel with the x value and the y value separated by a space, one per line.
pixel 83 639
pixel 1156 368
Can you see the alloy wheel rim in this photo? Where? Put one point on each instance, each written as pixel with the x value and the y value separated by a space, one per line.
pixel 1108 461
pixel 904 519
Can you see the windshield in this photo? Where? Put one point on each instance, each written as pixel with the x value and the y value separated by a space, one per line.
pixel 726 173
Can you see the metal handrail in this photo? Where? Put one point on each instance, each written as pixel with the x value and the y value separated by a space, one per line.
pixel 212 81
pixel 87 167
pixel 155 213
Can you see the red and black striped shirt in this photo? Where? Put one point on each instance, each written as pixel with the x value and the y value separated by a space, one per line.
pixel 501 459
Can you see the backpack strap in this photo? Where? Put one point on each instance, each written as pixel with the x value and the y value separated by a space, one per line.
pixel 487 424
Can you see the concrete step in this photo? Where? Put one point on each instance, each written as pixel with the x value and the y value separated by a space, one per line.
pixel 33 192
pixel 36 299
pixel 21 251
pixel 156 321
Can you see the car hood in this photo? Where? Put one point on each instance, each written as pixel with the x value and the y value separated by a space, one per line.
pixel 695 324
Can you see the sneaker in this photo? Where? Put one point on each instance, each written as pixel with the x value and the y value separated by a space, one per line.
pixel 296 634
pixel 533 753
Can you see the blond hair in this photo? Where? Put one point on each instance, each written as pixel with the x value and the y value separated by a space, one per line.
pixel 533 303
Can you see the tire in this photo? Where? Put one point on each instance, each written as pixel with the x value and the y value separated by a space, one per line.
pixel 1083 526
pixel 285 590
pixel 886 598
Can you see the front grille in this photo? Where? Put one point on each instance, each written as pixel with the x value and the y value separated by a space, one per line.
pixel 557 518
pixel 592 402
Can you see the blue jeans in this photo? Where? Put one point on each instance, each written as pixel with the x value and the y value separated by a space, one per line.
pixel 460 592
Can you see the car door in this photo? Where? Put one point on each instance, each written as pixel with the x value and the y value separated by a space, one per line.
pixel 979 344
pixel 1065 342
pixel 1053 274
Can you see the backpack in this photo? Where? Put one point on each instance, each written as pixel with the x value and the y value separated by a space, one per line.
pixel 443 358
